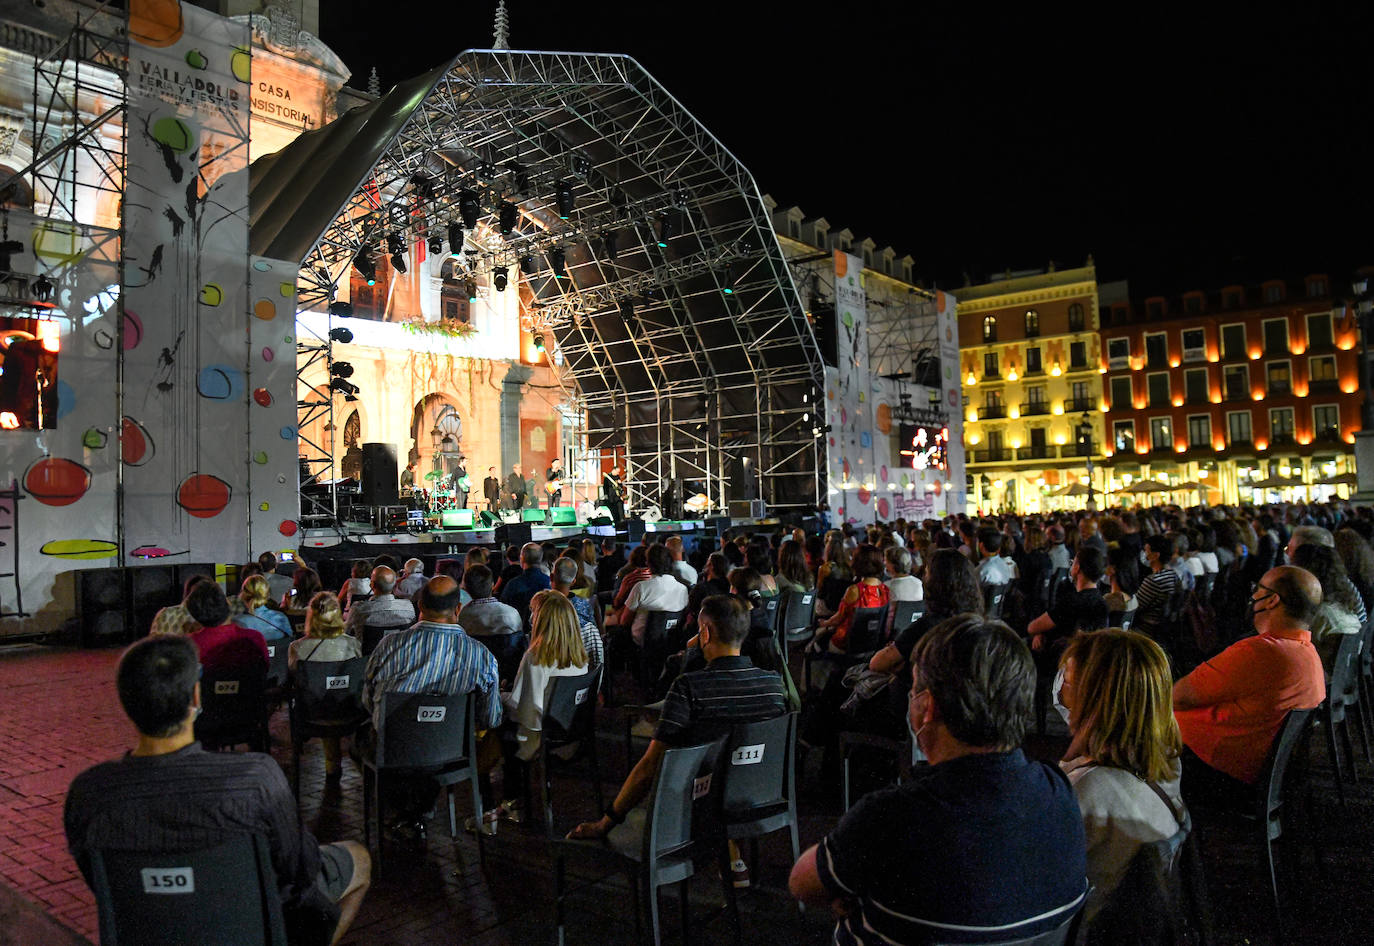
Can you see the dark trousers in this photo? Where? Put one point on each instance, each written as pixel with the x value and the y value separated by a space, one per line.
pixel 1208 787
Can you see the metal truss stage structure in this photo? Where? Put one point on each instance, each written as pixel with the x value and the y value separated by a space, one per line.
pixel 642 247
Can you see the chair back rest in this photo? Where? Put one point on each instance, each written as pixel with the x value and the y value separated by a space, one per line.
pixel 424 730
pixel 1058 579
pixel 905 613
pixel 1148 904
pixel 772 607
pixel 278 667
pixel 1366 642
pixel 660 625
pixel 993 596
pixel 686 793
pixel 866 630
pixel 570 707
pixel 1061 935
pixel 1270 782
pixel 796 610
pixel 757 765
pixel 167 899
pixel 1121 619
pixel 1202 588
pixel 1343 690
pixel 372 636
pixel 330 689
pixel 833 588
pixel 228 697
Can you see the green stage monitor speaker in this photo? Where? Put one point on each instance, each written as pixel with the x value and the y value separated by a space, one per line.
pixel 564 516
pixel 531 515
pixel 456 518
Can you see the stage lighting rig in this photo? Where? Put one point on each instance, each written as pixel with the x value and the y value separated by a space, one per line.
pixel 341 335
pixel 347 388
pixel 557 258
pixel 538 340
pixel 398 263
pixel 365 267
pixel 563 197
pixel 582 166
pixel 341 369
pixel 469 207
pixel 486 171
pixel 608 243
pixel 519 176
pixel 455 238
pixel 500 277
pixel 471 285
pixel 436 245
pixel 394 244
pixel 527 264
pixel 508 214
pixel 42 289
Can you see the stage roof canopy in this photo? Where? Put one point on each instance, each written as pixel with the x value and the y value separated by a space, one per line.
pixel 648 253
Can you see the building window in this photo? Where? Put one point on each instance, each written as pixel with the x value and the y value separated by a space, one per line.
pixel 1237 383
pixel 1035 399
pixel 822 239
pixel 990 329
pixel 794 228
pixel 1078 354
pixel 1123 435
pixel 1154 310
pixel 1233 343
pixel 992 404
pixel 1273 293
pixel 1157 350
pixel 1316 287
pixel 1199 430
pixel 1037 442
pixel 990 365
pixel 1280 425
pixel 1194 344
pixel 1082 398
pixel 1326 422
pixel 1192 305
pixel 1238 427
pixel 1319 331
pixel 1118 353
pixel 1279 377
pixel 1157 385
pixel 1121 314
pixel 1033 365
pixel 1159 434
pixel 868 259
pixel 1032 323
pixel 1195 385
pixel 1275 336
pixel 1075 317
pixel 1121 394
pixel 1322 369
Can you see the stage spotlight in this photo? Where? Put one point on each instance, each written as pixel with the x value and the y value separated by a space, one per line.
pixel 749 242
pixel 527 265
pixel 394 244
pixel 500 276
pixel 618 200
pixel 398 263
pixel 667 229
pixel 508 214
pixel 564 199
pixel 365 267
pixel 468 207
pixel 42 288
pixel 436 245
pixel 582 166
pixel 486 171
pixel 519 175
pixel 556 260
pixel 627 315
pixel 341 369
pixel 347 388
pixel 538 341
pixel 472 290
pixel 608 243
pixel 341 335
pixel 455 238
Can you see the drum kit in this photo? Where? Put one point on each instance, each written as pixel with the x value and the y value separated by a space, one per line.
pixel 445 492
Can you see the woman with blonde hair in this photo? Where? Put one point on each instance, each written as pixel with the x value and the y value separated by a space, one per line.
pixel 325 640
pixel 1115 691
pixel 257 614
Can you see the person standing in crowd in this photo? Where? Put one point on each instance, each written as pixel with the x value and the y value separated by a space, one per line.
pixel 532 491
pixel 1002 836
pixel 491 490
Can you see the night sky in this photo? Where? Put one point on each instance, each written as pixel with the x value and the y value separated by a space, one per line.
pixel 1183 150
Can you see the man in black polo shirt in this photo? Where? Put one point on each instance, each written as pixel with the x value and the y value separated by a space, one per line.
pixel 701 706
pixel 169 795
pixel 982 845
pixel 1081 609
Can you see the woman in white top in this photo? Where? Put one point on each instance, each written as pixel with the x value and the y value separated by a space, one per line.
pixel 360 583
pixel 1115 692
pixel 325 640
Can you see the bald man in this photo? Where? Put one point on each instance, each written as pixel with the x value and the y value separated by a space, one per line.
pixel 1231 707
pixel 383 609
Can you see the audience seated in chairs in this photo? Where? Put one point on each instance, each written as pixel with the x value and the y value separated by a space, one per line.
pixel 260 616
pixel 222 646
pixel 1000 836
pixel 1123 574
pixel 1341 607
pixel 305 584
pixel 1115 693
pixel 358 583
pixel 660 591
pixel 175 620
pixel 169 795
pixel 326 641
pixel 1157 590
pixel 434 656
pixel 383 609
pixel 556 650
pixel 901 584
pixel 565 572
pixel 793 572
pixel 868 591
pixel 834 577
pixel 278 585
pixel 518 591
pixel 701 706
pixel 1230 708
pixel 413 578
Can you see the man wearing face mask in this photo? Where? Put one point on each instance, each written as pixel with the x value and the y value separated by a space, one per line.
pixel 983 840
pixel 1231 707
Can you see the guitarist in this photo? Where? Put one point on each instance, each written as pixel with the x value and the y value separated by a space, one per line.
pixel 554 482
pixel 462 485
pixel 611 488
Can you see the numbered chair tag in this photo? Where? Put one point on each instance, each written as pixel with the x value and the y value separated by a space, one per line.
pixel 701 787
pixel 431 714
pixel 806 599
pixel 336 683
pixel 747 755
pixel 168 879
pixel 271 650
pixel 669 624
pixel 226 687
pixel 580 696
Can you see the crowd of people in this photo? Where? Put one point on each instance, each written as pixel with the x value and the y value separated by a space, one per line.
pixel 1173 642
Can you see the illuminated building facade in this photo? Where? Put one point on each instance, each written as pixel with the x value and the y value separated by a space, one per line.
pixel 1250 392
pixel 1031 370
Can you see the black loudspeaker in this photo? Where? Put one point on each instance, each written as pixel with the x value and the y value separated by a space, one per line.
pixel 102 606
pixel 193 568
pixel 151 588
pixel 379 475
pixel 488 520
pixel 634 530
pixel 717 524
pixel 513 533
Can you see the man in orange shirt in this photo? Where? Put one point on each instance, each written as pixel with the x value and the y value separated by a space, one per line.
pixel 1230 708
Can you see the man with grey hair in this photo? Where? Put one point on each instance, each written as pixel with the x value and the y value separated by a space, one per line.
pixel 532 579
pixel 681 570
pixel 414 578
pixel 383 609
pixel 564 574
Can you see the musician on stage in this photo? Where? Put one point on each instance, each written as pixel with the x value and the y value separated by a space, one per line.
pixel 408 477
pixel 514 488
pixel 531 497
pixel 461 484
pixel 553 477
pixel 491 489
pixel 612 490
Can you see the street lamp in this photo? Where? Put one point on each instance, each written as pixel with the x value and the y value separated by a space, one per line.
pixel 1085 434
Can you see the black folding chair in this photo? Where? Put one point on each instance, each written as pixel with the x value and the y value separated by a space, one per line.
pixel 233 709
pixel 422 735
pixel 372 636
pixel 569 719
pixel 1058 579
pixel 866 636
pixel 1062 935
pixel 904 614
pixel 277 663
pixel 1342 694
pixel 326 700
pixel 760 796
pixel 507 649
pixel 1122 619
pixel 661 632
pixel 225 895
pixel 662 843
pixel 993 596
pixel 1271 792
pixel 772 608
pixel 796 614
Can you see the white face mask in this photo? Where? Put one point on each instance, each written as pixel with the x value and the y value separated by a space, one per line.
pixel 1144 559
pixel 1059 706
